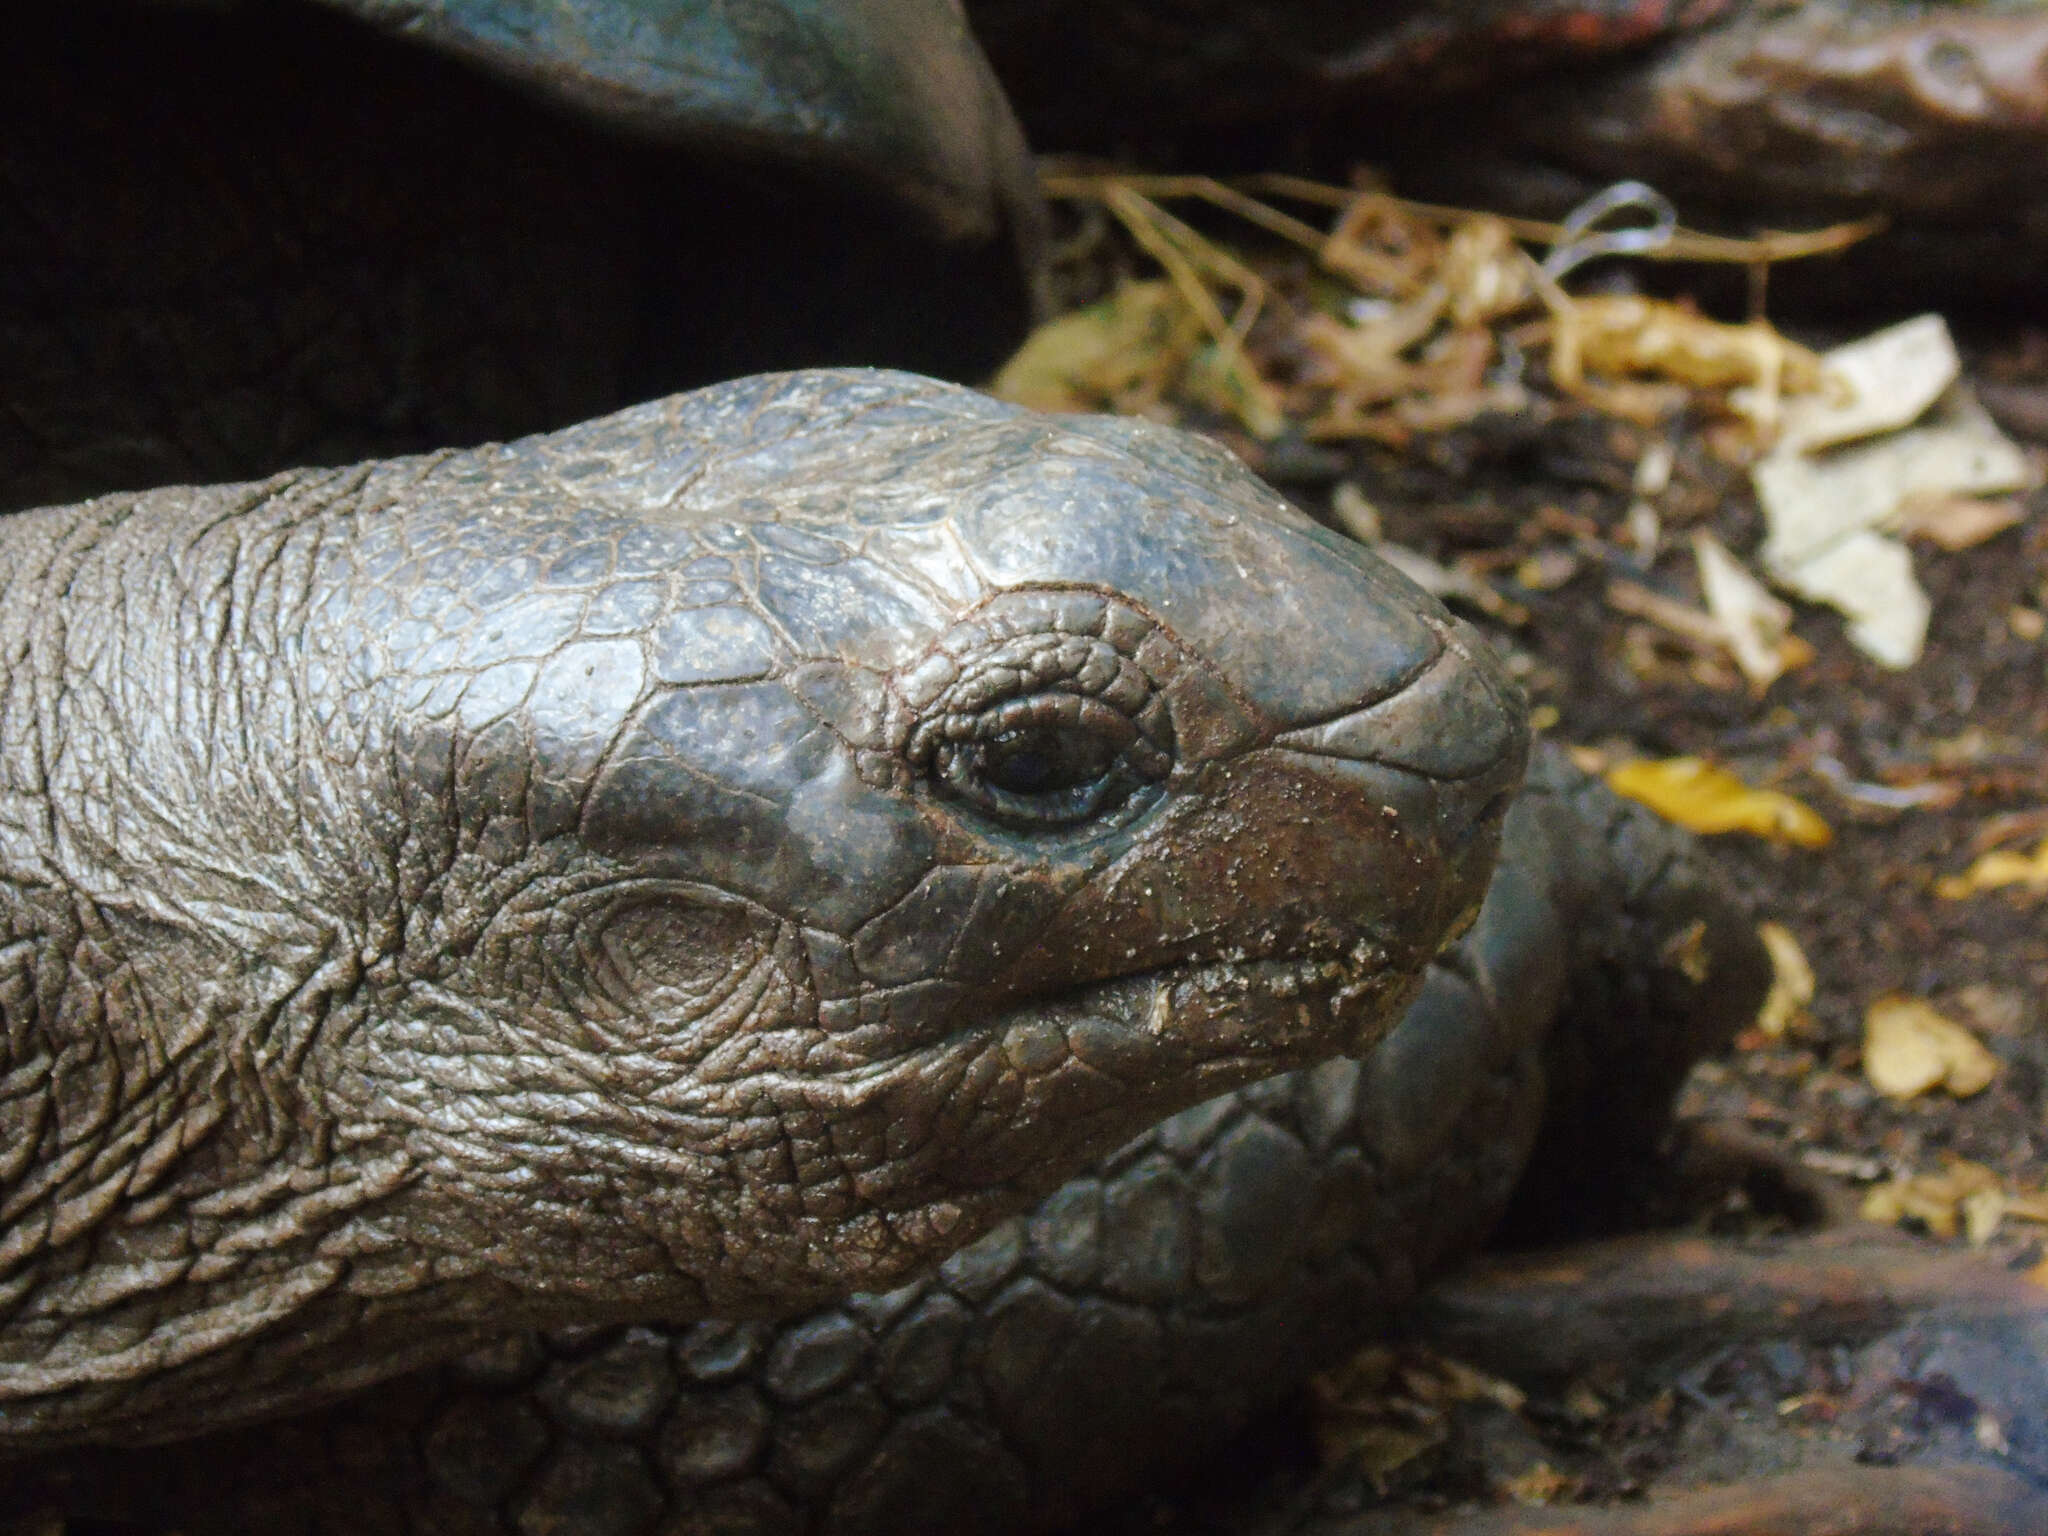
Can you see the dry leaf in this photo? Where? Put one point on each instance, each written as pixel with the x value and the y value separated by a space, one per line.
pixel 1992 1010
pixel 1355 513
pixel 1542 1484
pixel 1383 1407
pixel 1829 517
pixel 1756 624
pixel 2001 867
pixel 1935 1200
pixel 1870 579
pixel 1439 1378
pixel 1380 1449
pixel 1910 1047
pixel 1810 502
pixel 1702 797
pixel 1120 354
pixel 1853 1166
pixel 2028 1206
pixel 1702 631
pixel 1624 334
pixel 1791 980
pixel 1459 582
pixel 1485 272
pixel 1883 381
pixel 1983 1211
pixel 1546 570
pixel 1653 469
pixel 1582 1403
pixel 1957 522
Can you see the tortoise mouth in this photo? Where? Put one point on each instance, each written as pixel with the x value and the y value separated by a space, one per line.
pixel 1063 1081
pixel 1219 1017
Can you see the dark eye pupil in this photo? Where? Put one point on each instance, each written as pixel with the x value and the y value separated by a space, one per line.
pixel 1021 773
pixel 1045 762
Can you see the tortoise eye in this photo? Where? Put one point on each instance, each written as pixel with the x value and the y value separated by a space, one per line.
pixel 1037 726
pixel 1046 762
pixel 1050 773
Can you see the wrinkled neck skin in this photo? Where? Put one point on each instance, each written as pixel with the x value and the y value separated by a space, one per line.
pixel 199 915
pixel 563 881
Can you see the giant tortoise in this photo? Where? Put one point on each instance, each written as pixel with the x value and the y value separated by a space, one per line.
pixel 731 854
pixel 904 934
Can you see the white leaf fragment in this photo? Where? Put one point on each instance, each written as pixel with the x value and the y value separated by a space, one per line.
pixel 1870 578
pixel 1831 510
pixel 1878 383
pixel 1756 622
pixel 1812 501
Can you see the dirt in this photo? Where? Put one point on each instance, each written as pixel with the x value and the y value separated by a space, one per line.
pixel 1963 731
pixel 1917 771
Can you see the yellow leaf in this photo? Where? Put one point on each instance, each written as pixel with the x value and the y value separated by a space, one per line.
pixel 1704 798
pixel 1791 979
pixel 1909 1047
pixel 1542 1484
pixel 1998 868
pixel 1941 1202
pixel 2030 1206
pixel 1135 341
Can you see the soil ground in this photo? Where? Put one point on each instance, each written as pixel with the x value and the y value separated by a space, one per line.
pixel 1964 731
pixel 1917 771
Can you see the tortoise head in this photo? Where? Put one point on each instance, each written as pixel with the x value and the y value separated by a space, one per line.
pixel 716 857
pixel 854 803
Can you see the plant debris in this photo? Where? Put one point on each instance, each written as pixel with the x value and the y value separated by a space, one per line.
pixel 1852 470
pixel 1997 869
pixel 1954 523
pixel 1883 382
pixel 1965 1198
pixel 1910 1047
pixel 1406 319
pixel 1792 982
pixel 1705 798
pixel 1757 627
pixel 1385 1406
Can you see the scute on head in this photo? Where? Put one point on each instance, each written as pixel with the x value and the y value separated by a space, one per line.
pixel 992 726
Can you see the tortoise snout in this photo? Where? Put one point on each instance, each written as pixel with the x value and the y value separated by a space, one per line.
pixel 1460 718
pixel 1461 724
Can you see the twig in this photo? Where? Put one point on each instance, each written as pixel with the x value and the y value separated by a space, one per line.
pixel 1685 244
pixel 1144 219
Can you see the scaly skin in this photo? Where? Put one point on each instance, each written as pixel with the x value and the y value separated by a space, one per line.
pixel 699 864
pixel 1118 1330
